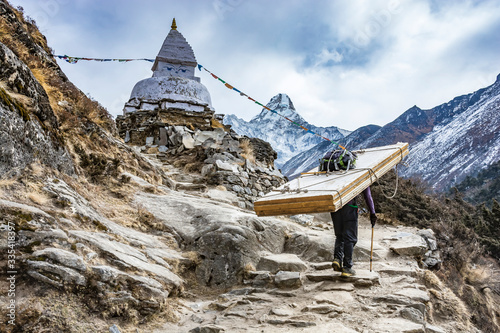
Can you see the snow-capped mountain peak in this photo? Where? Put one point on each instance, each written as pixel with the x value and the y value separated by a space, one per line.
pixel 285 137
pixel 283 105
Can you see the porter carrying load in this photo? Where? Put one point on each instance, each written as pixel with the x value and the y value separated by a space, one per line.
pixel 327 191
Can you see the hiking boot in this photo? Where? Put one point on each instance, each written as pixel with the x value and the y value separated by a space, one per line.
pixel 347 272
pixel 337 266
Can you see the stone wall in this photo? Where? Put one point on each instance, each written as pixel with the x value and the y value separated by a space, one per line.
pixel 223 158
pixel 136 127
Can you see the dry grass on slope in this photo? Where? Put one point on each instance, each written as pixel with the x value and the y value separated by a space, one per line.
pixel 247 150
pixel 22 36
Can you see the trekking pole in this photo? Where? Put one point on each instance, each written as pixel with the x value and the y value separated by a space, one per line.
pixel 371 250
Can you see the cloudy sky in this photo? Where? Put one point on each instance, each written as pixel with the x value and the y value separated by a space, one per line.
pixel 343 63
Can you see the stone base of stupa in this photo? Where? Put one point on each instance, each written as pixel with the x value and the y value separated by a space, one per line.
pixel 139 127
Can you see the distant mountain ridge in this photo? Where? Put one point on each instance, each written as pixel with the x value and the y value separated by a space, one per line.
pixel 415 123
pixel 447 143
pixel 286 138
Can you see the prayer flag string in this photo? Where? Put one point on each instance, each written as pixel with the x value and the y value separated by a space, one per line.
pixel 74 60
pixel 229 86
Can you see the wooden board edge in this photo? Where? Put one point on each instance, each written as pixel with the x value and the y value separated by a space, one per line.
pixel 260 203
pixel 296 205
pixel 311 210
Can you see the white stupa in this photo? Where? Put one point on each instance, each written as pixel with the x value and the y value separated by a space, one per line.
pixel 173 85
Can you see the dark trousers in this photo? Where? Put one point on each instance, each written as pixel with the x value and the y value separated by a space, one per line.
pixel 345 224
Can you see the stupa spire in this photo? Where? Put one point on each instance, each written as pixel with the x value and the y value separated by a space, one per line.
pixel 176 57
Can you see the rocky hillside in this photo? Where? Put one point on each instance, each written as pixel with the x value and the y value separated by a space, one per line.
pixel 484 187
pixel 106 237
pixel 286 138
pixel 29 126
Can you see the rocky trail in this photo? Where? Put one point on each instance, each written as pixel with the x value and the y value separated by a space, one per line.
pixel 287 294
pixel 297 296
pixel 299 292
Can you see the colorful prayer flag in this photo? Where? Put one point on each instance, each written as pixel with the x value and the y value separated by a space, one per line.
pixel 74 60
pixel 267 108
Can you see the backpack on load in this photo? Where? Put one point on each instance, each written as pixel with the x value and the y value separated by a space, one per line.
pixel 338 160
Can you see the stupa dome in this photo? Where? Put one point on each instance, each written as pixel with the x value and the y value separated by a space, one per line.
pixel 172 88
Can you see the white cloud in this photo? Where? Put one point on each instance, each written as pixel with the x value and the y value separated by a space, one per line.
pixel 327 57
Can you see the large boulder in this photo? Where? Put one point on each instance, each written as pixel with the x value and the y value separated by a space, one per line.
pixel 407 244
pixel 314 246
pixel 227 239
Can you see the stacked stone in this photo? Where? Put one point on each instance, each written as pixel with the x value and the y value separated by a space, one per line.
pixel 248 179
pixel 432 257
pixel 224 163
pixel 422 245
pixel 139 127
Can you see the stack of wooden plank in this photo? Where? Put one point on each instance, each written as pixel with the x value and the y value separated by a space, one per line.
pixel 316 192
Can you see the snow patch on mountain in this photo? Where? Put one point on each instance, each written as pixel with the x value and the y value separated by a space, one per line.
pixel 463 146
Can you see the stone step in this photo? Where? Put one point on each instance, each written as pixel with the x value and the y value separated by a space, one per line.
pixel 291 322
pixel 322 308
pixel 330 286
pixel 396 270
pixel 320 266
pixel 337 298
pixel 362 277
pixel 399 325
pixel 281 262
